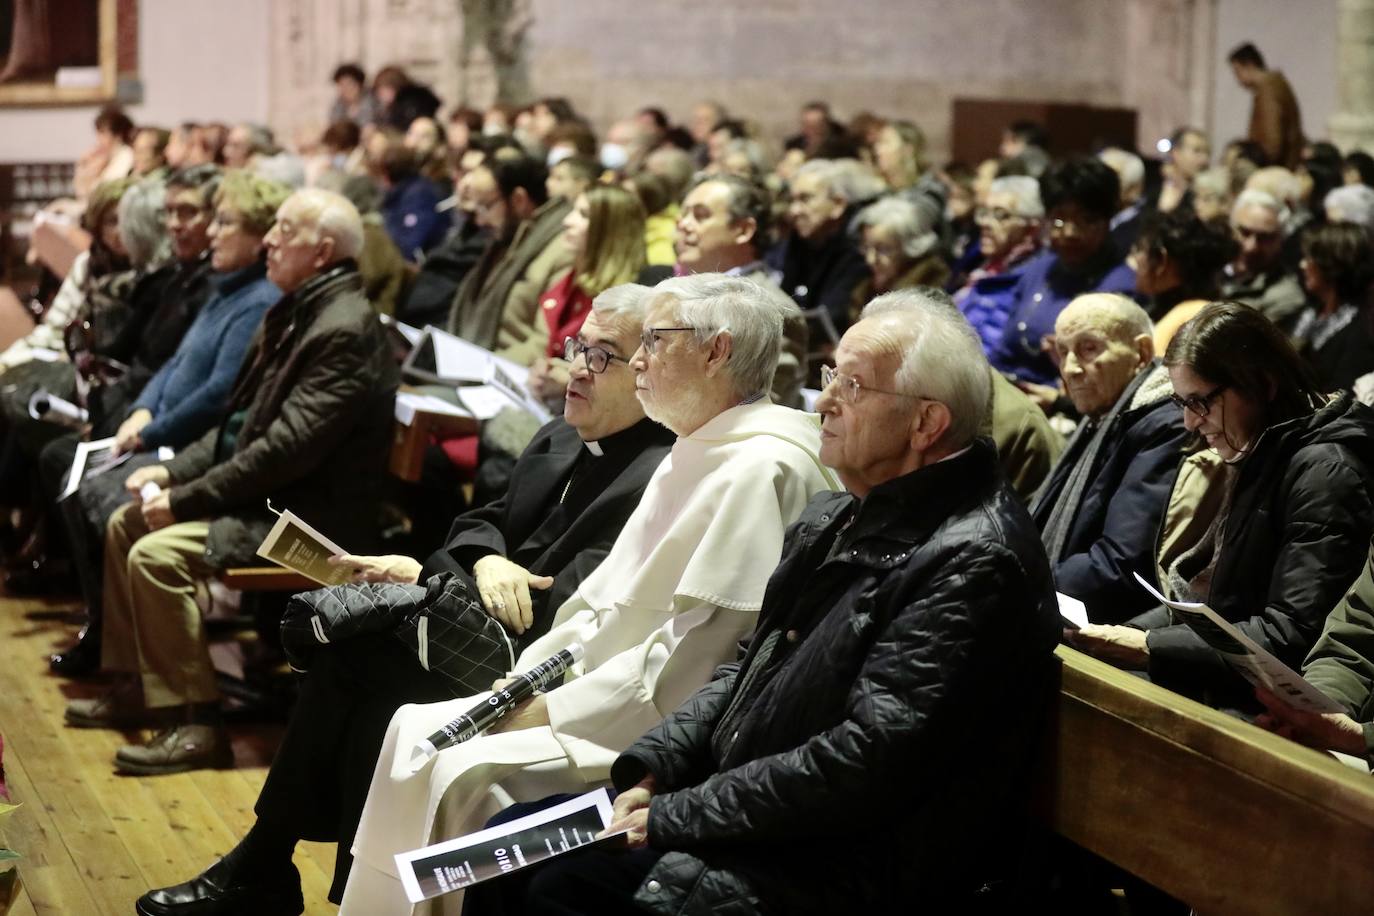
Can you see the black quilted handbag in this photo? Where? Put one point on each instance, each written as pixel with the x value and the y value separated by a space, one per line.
pixel 441 621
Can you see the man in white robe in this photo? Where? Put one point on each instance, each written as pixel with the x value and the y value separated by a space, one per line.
pixel 681 586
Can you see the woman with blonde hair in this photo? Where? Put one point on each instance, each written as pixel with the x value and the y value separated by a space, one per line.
pixel 605 232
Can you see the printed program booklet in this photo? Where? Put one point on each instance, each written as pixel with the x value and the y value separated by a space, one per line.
pixel 455 864
pixel 443 359
pixel 1257 665
pixel 294 544
pixel 95 458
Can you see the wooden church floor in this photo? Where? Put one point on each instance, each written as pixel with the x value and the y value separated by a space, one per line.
pixel 93 841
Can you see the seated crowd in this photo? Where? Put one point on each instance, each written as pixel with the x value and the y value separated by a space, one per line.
pixel 828 435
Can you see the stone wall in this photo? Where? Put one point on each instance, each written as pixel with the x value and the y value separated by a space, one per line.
pixel 908 58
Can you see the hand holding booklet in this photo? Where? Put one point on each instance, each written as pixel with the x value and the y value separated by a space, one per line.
pixel 1257 665
pixel 296 545
pixel 452 865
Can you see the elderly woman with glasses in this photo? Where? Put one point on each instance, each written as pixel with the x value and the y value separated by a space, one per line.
pixel 901 247
pixel 1009 224
pixel 1295 483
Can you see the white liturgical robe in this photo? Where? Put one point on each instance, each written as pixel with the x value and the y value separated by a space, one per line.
pixel 682 584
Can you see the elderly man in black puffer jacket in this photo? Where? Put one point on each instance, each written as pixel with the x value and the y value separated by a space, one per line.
pixel 863 754
pixel 308 427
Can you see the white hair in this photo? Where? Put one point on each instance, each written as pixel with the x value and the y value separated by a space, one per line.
pixel 283 168
pixel 848 179
pixel 333 216
pixel 752 312
pixel 1252 197
pixel 913 225
pixel 628 300
pixel 1216 180
pixel 753 151
pixel 1354 201
pixel 943 360
pixel 1278 181
pixel 1128 166
pixel 140 223
pixel 1025 189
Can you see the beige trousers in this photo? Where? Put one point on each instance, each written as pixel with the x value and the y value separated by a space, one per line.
pixel 152 625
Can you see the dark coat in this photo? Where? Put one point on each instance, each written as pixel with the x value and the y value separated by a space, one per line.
pixel 431 293
pixel 821 275
pixel 1345 355
pixel 150 337
pixel 410 218
pixel 866 731
pixel 1297 535
pixel 1113 532
pixel 309 426
pixel 551 532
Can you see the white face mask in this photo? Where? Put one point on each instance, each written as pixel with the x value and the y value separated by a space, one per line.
pixel 557 155
pixel 614 156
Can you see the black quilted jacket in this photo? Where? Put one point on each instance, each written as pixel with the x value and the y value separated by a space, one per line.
pixel 858 758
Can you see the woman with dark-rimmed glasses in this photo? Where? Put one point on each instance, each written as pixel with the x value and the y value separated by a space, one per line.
pixel 1295 506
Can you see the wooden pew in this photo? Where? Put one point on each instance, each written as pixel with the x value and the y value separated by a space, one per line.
pixel 1222 815
pixel 409 441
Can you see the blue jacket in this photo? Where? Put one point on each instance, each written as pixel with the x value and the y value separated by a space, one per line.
pixel 1117 521
pixel 988 303
pixel 410 219
pixel 188 394
pixel 1043 291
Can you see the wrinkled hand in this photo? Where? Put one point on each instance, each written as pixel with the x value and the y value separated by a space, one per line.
pixel 532 713
pixel 157 512
pixel 127 438
pixel 1124 647
pixel 548 379
pixel 631 813
pixel 1043 396
pixel 389 568
pixel 1333 731
pixel 155 473
pixel 505 590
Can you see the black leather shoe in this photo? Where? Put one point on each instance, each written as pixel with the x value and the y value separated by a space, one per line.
pixel 82 658
pixel 219 891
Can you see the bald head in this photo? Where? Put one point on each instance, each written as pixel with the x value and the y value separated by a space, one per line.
pixel 1103 341
pixel 1110 313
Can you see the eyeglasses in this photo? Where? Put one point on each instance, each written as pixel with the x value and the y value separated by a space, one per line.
pixel 649 337
pixel 598 358
pixel 994 215
pixel 881 252
pixel 850 387
pixel 1243 233
pixel 1199 404
pixel 1072 227
pixel 182 213
pixel 221 223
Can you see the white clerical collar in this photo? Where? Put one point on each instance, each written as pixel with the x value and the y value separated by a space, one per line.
pixel 593 447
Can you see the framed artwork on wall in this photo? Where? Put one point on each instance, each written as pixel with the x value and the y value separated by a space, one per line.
pixel 61 52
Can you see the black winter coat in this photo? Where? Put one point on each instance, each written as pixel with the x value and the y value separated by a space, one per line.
pixel 1297 536
pixel 309 426
pixel 1113 532
pixel 862 755
pixel 151 336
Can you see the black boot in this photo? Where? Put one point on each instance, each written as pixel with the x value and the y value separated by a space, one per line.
pixel 81 659
pixel 239 883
